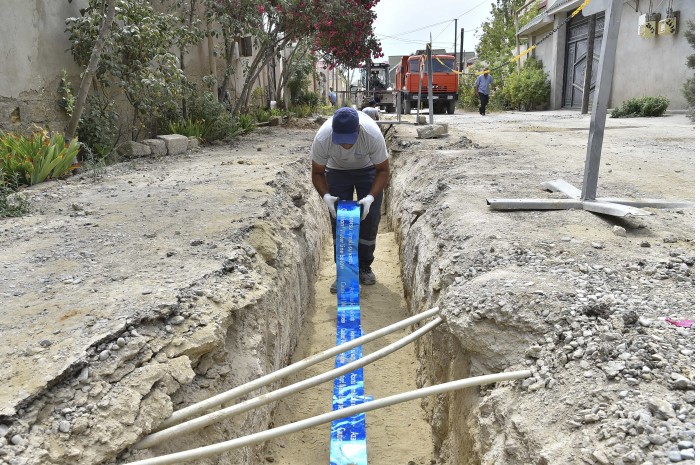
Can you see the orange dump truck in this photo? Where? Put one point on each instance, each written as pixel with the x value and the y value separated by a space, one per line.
pixel 445 83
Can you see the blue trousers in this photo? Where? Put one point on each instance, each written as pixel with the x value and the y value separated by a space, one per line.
pixel 483 101
pixel 343 184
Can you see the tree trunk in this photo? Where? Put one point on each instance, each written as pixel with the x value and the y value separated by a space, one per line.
pixel 261 60
pixel 284 75
pixel 182 55
pixel 90 70
pixel 212 59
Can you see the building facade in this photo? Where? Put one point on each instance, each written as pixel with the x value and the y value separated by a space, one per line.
pixel 651 55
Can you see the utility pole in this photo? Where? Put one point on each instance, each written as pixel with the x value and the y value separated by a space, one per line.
pixel 461 52
pixel 455 38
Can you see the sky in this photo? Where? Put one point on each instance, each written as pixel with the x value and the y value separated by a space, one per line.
pixel 404 26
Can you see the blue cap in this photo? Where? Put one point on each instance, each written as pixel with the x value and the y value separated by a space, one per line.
pixel 346 126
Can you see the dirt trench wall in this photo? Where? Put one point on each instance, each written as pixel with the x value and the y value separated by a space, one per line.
pixel 443 251
pixel 558 293
pixel 233 324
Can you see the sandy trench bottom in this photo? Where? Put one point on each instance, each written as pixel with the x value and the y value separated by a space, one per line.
pixel 395 435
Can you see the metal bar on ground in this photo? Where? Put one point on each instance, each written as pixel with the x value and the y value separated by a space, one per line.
pixel 612 209
pixel 652 203
pixel 535 204
pixel 562 186
pixel 214 449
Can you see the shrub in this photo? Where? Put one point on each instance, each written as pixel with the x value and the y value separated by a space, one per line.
pixel 306 98
pixel 641 106
pixel 262 115
pixel 528 88
pixel 246 123
pixel 33 159
pixel 467 97
pixel 302 111
pixel 98 128
pixel 189 128
pixel 218 122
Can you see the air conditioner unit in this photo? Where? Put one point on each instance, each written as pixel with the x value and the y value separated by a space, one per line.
pixel 648 25
pixel 669 25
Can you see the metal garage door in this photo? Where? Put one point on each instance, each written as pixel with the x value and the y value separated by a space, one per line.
pixel 576 56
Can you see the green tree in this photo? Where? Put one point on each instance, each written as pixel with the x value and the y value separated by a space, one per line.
pixel 497 39
pixel 91 69
pixel 138 56
pixel 689 85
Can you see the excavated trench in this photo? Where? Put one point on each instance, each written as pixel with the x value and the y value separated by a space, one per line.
pixel 244 319
pixel 510 302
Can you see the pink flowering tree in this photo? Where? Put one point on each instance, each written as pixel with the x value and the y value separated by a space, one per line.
pixel 338 32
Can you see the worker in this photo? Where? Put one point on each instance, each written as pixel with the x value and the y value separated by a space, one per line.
pixel 481 87
pixel 372 111
pixel 332 97
pixel 349 156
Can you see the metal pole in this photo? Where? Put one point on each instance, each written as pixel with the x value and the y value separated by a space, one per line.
pixel 421 68
pixel 461 52
pixel 589 66
pixel 455 38
pixel 430 80
pixel 600 103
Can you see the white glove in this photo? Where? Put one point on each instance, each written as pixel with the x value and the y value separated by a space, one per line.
pixel 366 203
pixel 330 203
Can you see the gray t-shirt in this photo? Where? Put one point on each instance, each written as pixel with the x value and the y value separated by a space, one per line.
pixel 369 150
pixel 373 112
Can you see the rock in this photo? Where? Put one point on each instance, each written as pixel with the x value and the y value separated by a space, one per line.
pixel 601 457
pixel 175 143
pixel 613 368
pixel 193 143
pixel 64 426
pixel 432 130
pixel 619 231
pixel 688 454
pixel 131 149
pixel 660 408
pixel 680 382
pixel 157 146
pixel 645 244
pixel 674 456
pixel 275 121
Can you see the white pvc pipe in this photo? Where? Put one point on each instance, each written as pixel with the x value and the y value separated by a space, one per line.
pixel 214 417
pixel 195 409
pixel 263 436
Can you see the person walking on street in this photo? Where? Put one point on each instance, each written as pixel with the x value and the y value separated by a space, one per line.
pixel 349 156
pixel 482 84
pixel 332 97
pixel 372 111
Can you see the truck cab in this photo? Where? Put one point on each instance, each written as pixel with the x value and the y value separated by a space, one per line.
pixel 412 83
